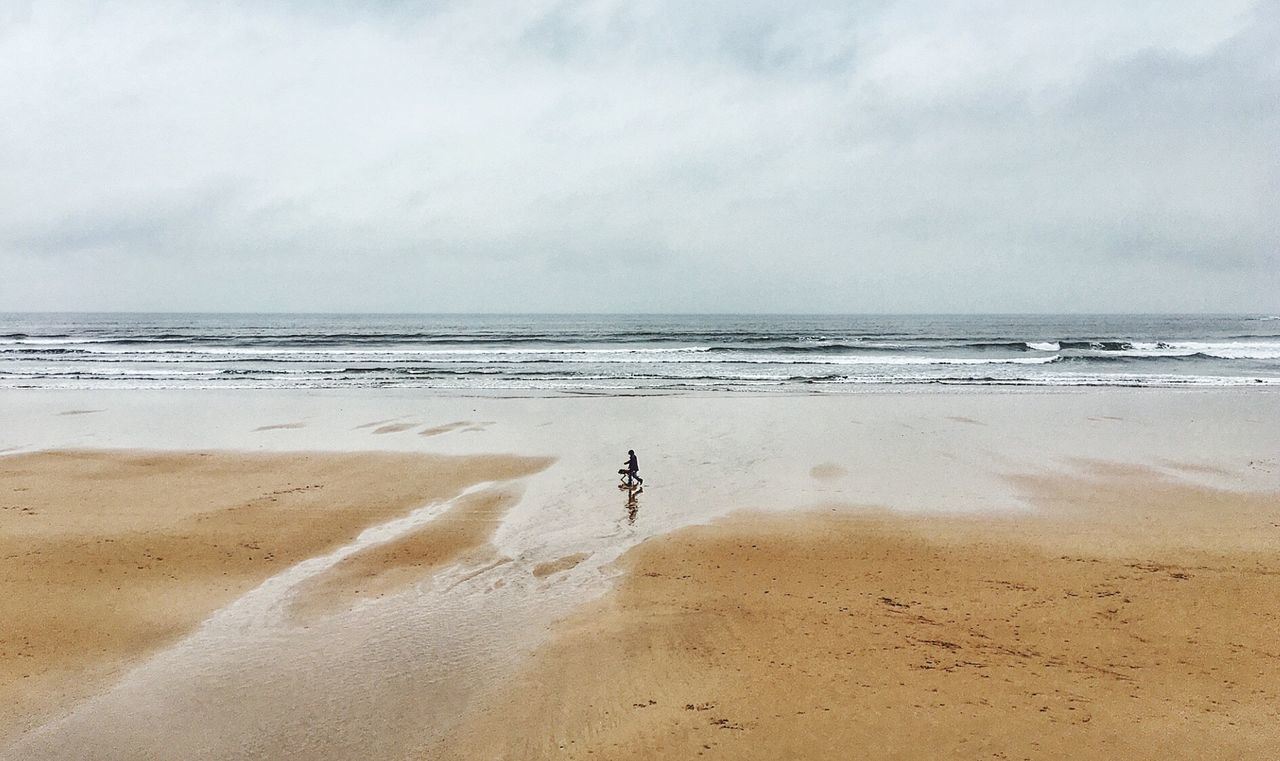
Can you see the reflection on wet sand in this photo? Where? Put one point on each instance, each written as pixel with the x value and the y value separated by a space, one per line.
pixel 633 504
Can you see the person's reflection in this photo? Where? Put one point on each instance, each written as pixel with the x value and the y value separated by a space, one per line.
pixel 633 504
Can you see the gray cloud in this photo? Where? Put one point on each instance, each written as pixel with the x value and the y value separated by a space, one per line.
pixel 599 155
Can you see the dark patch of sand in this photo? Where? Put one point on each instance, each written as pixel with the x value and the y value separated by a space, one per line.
pixel 827 471
pixel 394 428
pixel 542 570
pixel 280 427
pixel 446 428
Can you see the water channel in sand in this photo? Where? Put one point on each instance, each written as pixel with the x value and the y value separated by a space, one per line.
pixel 390 672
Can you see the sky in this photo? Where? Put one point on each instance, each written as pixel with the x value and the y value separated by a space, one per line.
pixel 611 156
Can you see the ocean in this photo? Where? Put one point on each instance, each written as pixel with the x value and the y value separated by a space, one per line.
pixel 644 353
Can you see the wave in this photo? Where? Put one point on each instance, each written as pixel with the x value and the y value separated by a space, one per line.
pixel 1062 380
pixel 578 383
pixel 814 348
pixel 581 353
pixel 1035 353
pixel 1199 349
pixel 1097 345
pixel 461 338
pixel 26 351
pixel 1231 350
pixel 464 340
pixel 1128 358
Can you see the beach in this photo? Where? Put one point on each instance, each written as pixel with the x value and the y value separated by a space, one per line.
pixel 826 635
pixel 111 555
pixel 382 574
pixel 603 381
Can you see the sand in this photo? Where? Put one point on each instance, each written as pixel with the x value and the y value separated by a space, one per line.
pixel 978 555
pixel 459 535
pixel 108 556
pixel 1131 616
pixel 559 565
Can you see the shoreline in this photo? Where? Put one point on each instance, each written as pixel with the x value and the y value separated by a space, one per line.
pixel 405 637
pixel 891 390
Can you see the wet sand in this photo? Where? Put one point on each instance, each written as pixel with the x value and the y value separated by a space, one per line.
pixel 495 606
pixel 459 535
pixel 1131 616
pixel 108 556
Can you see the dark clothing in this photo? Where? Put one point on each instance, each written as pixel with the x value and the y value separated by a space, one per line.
pixel 633 467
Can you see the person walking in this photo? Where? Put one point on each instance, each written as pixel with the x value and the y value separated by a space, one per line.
pixel 633 467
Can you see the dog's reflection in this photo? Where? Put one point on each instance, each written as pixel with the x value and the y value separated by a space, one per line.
pixel 633 504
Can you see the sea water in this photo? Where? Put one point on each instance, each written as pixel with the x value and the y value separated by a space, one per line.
pixel 641 353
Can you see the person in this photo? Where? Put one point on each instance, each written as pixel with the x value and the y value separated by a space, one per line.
pixel 633 467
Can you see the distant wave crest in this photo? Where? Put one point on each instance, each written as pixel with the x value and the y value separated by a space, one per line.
pixel 658 353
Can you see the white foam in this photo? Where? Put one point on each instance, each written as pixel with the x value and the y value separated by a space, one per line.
pixel 1233 349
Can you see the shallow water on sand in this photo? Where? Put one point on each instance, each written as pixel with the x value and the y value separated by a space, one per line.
pixel 392 671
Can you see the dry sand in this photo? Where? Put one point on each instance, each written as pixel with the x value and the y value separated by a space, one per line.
pixel 105 557
pixel 1129 617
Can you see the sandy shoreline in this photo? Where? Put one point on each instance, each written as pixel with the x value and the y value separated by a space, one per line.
pixel 1076 633
pixel 105 557
pixel 1063 552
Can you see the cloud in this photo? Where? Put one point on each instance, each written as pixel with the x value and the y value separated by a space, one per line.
pixel 598 155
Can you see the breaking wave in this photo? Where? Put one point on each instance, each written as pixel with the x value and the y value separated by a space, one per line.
pixel 645 353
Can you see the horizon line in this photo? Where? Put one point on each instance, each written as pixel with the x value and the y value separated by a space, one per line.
pixel 637 314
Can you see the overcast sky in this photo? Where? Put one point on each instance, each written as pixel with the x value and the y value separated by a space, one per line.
pixel 633 156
